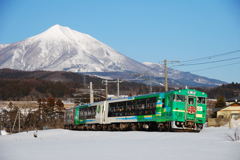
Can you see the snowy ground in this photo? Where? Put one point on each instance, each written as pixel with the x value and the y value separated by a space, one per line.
pixel 58 144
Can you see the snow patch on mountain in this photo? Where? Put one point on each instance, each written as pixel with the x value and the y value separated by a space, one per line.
pixel 183 78
pixel 159 68
pixel 60 48
pixel 3 45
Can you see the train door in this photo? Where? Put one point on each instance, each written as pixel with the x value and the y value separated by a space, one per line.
pixel 101 116
pixel 191 108
pixel 72 116
pixel 99 113
pixel 105 112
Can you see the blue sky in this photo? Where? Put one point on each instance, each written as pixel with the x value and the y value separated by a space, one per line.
pixel 145 30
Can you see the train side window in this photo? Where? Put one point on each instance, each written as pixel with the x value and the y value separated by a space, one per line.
pixel 171 98
pixel 134 107
pixel 179 98
pixel 163 103
pixel 201 100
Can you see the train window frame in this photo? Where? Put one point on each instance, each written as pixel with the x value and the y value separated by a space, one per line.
pixel 199 101
pixel 143 106
pixel 191 101
pixel 87 113
pixel 163 102
pixel 179 98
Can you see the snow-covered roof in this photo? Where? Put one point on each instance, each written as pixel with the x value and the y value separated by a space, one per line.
pixel 232 107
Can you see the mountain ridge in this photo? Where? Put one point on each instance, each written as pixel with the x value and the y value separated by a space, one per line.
pixel 60 48
pixel 77 52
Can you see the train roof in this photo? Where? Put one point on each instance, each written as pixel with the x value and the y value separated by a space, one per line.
pixel 193 92
pixel 157 94
pixel 138 96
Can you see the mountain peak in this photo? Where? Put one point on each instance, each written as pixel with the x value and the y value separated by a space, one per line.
pixel 55 32
pixel 64 33
pixel 61 48
pixel 58 27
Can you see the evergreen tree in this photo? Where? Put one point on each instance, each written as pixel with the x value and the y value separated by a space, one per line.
pixel 220 102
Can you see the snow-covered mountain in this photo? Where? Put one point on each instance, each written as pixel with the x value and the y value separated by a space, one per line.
pixel 183 78
pixel 61 48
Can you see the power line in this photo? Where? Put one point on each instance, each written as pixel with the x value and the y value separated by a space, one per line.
pixel 213 56
pixel 214 67
pixel 222 60
pixel 207 58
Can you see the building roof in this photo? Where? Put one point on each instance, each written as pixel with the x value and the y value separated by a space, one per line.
pixel 232 107
pixel 234 99
pixel 234 104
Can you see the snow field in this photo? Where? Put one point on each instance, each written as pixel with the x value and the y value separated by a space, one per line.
pixel 59 144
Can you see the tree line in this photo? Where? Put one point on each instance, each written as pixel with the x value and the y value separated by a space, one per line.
pixel 49 114
pixel 33 89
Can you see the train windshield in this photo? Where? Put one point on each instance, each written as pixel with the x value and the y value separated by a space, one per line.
pixel 201 100
pixel 179 98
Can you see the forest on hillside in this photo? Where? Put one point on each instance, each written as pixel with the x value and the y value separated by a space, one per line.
pixel 22 85
pixel 226 90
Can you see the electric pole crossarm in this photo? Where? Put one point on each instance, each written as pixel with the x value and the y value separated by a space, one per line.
pixel 118 86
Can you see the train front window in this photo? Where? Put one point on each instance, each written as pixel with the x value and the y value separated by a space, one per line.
pixel 201 100
pixel 179 98
pixel 190 100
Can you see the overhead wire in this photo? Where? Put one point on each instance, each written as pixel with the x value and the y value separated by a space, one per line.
pixel 213 67
pixel 213 56
pixel 183 63
pixel 222 60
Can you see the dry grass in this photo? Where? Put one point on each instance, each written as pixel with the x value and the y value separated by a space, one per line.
pixel 235 136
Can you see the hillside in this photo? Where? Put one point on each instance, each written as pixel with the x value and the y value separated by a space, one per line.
pixel 16 85
pixel 227 90
pixel 24 85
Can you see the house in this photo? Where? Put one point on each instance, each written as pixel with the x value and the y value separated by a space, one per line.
pixel 233 100
pixel 231 113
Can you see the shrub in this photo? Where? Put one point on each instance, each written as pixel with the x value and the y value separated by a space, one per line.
pixel 235 136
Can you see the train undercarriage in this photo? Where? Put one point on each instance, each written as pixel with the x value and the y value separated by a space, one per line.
pixel 139 126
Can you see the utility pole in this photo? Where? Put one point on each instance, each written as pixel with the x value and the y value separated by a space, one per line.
pixel 165 75
pixel 84 80
pixel 118 86
pixel 150 84
pixel 106 89
pixel 165 62
pixel 91 93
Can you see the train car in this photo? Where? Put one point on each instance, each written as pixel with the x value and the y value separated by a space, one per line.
pixel 69 118
pixel 134 113
pixel 179 109
pixel 90 116
pixel 188 109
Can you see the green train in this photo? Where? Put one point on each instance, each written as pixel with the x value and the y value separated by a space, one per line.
pixel 183 109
